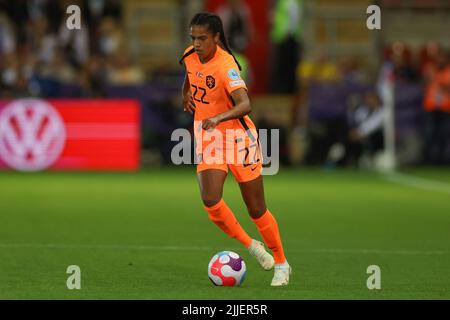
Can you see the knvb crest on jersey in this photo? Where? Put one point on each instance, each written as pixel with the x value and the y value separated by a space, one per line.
pixel 32 135
pixel 210 82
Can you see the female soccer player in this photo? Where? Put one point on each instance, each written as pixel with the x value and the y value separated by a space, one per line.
pixel 217 96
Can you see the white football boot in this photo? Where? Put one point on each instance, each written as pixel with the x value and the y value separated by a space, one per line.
pixel 264 258
pixel 281 276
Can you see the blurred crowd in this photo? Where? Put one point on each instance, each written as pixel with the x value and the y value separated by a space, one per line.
pixel 430 67
pixel 337 113
pixel 36 47
pixel 340 110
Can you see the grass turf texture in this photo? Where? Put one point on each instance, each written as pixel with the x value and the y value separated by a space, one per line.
pixel 145 236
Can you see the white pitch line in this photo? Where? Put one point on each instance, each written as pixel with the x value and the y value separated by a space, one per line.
pixel 100 246
pixel 418 182
pixel 374 251
pixel 195 248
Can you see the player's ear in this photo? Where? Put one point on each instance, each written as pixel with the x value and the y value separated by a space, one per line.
pixel 217 38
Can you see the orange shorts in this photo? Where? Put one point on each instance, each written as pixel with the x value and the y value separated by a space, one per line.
pixel 242 155
pixel 242 173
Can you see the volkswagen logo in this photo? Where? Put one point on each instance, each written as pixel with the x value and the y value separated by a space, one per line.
pixel 32 135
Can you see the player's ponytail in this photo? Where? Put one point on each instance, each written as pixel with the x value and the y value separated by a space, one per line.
pixel 224 41
pixel 215 25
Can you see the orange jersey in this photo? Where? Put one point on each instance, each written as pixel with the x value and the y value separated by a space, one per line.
pixel 437 94
pixel 212 84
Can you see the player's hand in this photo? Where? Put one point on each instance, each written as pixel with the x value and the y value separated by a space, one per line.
pixel 188 103
pixel 210 123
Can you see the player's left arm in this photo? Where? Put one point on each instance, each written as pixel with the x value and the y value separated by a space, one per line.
pixel 241 108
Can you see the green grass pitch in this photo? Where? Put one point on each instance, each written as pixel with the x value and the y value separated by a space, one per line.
pixel 145 235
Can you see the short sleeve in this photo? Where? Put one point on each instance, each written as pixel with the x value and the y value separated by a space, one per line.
pixel 231 76
pixel 185 55
pixel 188 49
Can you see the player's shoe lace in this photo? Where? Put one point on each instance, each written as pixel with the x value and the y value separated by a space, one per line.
pixel 281 275
pixel 257 250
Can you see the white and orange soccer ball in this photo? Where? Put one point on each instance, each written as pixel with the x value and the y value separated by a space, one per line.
pixel 227 268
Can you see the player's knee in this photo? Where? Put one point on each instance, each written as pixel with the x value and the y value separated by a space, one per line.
pixel 210 201
pixel 257 210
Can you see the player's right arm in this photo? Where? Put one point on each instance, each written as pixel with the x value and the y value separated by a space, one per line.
pixel 188 100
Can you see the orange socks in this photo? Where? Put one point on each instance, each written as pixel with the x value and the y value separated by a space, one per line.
pixel 224 218
pixel 268 228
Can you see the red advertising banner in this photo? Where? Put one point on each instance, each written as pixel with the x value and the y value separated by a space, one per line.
pixel 69 134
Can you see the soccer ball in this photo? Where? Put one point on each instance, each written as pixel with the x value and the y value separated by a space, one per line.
pixel 227 268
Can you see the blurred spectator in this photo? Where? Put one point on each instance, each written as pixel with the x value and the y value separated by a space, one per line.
pixel 351 71
pixel 9 71
pixel 24 11
pixel 45 9
pixel 429 60
pixel 286 36
pixel 41 40
pixel 402 59
pixel 237 24
pixel 123 72
pixel 7 36
pixel 365 129
pixel 318 70
pixel 318 111
pixel 59 68
pixel 27 62
pixel 16 12
pixel 96 10
pixel 110 37
pixel 437 107
pixel 75 44
pixel 239 30
pixel 16 70
pixel 94 77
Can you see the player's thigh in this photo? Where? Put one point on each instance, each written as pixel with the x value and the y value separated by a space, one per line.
pixel 211 183
pixel 253 194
